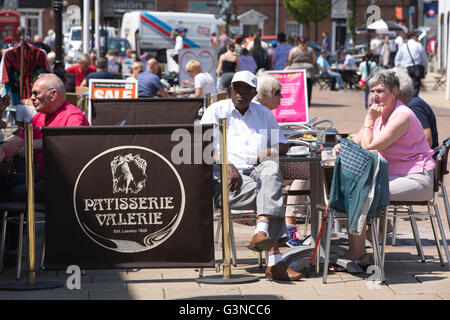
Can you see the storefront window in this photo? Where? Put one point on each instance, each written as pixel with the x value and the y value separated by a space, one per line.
pixel 32 21
pixel 293 27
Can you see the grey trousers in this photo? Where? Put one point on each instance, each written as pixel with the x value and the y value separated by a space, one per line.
pixel 262 191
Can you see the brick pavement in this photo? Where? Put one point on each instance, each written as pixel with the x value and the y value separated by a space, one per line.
pixel 408 278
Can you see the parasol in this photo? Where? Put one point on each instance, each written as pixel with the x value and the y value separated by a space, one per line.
pixel 379 26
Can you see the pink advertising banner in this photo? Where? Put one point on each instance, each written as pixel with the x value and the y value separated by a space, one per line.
pixel 294 104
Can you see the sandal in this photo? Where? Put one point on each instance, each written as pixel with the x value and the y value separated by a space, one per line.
pixel 361 261
pixel 333 267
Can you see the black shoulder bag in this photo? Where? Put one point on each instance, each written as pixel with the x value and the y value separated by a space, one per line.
pixel 416 70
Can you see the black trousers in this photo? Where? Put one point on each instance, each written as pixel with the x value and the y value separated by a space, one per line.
pixel 416 85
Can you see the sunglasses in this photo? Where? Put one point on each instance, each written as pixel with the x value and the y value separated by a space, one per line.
pixel 36 93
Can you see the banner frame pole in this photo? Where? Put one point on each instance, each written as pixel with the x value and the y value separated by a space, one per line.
pixel 207 100
pixel 225 202
pixel 227 277
pixel 30 204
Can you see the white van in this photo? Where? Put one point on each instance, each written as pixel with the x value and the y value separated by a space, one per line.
pixel 155 31
pixel 74 44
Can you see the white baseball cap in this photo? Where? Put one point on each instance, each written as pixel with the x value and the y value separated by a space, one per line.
pixel 245 76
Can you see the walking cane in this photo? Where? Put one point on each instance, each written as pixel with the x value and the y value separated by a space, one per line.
pixel 311 262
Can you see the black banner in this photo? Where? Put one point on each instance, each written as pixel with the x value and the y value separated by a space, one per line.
pixel 119 197
pixel 145 111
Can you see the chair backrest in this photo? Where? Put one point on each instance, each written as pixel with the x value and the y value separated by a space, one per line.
pixel 441 165
pixel 79 90
pixel 222 95
pixel 446 143
pixel 327 178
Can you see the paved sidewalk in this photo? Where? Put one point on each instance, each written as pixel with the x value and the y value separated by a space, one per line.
pixel 408 277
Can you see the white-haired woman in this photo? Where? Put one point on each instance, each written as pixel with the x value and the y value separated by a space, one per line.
pixel 268 91
pixel 392 129
pixel 269 95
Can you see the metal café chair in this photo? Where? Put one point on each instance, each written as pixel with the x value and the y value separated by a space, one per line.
pixel 235 216
pixel 405 209
pixel 440 80
pixel 327 176
pixel 445 171
pixel 15 212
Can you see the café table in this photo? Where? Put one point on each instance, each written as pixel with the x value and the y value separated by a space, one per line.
pixel 349 76
pixel 181 90
pixel 291 167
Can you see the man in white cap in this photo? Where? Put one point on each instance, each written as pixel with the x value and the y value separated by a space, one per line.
pixel 254 178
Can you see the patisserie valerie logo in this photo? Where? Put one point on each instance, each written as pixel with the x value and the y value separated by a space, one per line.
pixel 142 207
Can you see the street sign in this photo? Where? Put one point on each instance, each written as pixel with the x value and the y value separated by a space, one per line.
pixel 339 9
pixel 73 15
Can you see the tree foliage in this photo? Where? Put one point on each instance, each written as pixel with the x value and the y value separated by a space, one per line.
pixel 306 11
pixel 352 18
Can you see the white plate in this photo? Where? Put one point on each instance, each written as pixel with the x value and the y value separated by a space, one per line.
pixel 298 154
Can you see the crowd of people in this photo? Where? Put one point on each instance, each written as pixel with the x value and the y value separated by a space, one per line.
pixel 399 124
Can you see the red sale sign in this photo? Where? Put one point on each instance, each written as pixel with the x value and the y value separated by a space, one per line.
pixel 294 104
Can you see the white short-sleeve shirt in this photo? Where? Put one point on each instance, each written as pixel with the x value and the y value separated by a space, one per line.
pixel 206 82
pixel 248 135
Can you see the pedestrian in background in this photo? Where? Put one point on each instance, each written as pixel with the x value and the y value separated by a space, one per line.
pixel 365 68
pixel 412 56
pixel 136 68
pixel 228 65
pixel 385 54
pixel 303 57
pixel 281 52
pixel 260 55
pixel 326 42
pixel 247 62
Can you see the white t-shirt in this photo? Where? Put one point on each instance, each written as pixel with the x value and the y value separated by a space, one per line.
pixel 179 43
pixel 205 81
pixel 375 46
pixel 248 135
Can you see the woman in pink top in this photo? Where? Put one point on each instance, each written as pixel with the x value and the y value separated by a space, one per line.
pixel 394 131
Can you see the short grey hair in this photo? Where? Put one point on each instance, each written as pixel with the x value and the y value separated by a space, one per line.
pixel 385 77
pixel 406 88
pixel 268 85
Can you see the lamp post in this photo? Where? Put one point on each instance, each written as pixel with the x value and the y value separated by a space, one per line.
pixel 59 63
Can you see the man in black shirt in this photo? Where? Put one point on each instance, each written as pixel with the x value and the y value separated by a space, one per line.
pixel 420 108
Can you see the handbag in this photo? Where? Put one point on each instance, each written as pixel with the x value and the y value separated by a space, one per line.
pixel 416 70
